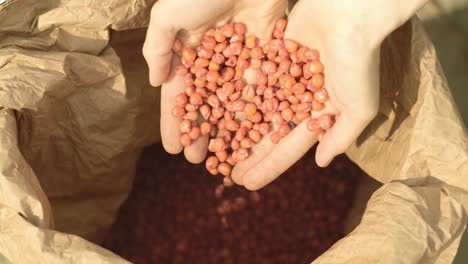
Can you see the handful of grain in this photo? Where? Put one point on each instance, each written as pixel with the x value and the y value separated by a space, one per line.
pixel 218 101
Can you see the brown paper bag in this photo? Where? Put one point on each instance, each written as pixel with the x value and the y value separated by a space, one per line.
pixel 77 110
pixel 417 146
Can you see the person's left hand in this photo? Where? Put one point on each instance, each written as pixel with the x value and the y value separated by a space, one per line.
pixel 188 20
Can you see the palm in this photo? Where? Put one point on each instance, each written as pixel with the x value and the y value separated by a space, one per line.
pixel 351 78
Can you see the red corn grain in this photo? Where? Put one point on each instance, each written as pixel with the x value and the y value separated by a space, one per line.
pixel 221 155
pixel 264 128
pixel 277 118
pixel 212 76
pixel 316 81
pixel 320 135
pixel 256 64
pixel 248 93
pixel 188 55
pixel 180 70
pixel 185 140
pixel 279 34
pixel 255 135
pixel 267 116
pixel 192 116
pixel 258 101
pixel 231 61
pixel 247 124
pixel 213 66
pixel 257 117
pixel 321 95
pixel 269 67
pixel 208 42
pixel 216 144
pixel 251 41
pixel 196 99
pixel 240 28
pixel 298 89
pixel 220 47
pixel 242 154
pixel 276 137
pixel 217 112
pixel 232 125
pixel 188 80
pixel 227 30
pixel 213 120
pixel 317 106
pixel 281 24
pixel 282 105
pixel 205 53
pixel 256 53
pixel 284 129
pixel 205 128
pixel 228 88
pixel 185 126
pixel 295 70
pixel 178 111
pixel 227 114
pixel 213 101
pixel 306 97
pixel 247 143
pixel 245 54
pixel 301 116
pixel 194 133
pixel 315 67
pixel 312 125
pixel 224 169
pixel 177 45
pixel 199 83
pixel 227 74
pixel 287 114
pixel 231 160
pixel 221 124
pixel 211 163
pixel 219 36
pixel 227 182
pixel 240 133
pixel 235 96
pixel 325 121
pixel 235 144
pixel 291 45
pixel 236 48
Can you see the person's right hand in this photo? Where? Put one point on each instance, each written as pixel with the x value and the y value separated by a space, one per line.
pixel 348 35
pixel 188 20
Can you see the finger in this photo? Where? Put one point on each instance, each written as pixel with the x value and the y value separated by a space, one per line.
pixel 360 107
pixel 295 29
pixel 289 150
pixel 196 152
pixel 157 48
pixel 170 132
pixel 263 22
pixel 338 139
pixel 258 152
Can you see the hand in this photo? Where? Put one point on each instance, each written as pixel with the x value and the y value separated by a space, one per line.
pixel 348 35
pixel 189 19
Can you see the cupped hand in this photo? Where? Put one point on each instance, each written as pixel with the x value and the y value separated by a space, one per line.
pixel 188 20
pixel 349 49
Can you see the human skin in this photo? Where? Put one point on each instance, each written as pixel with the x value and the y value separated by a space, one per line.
pixel 348 35
pixel 188 20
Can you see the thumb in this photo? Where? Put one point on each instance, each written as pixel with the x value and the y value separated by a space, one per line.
pixel 157 48
pixel 357 106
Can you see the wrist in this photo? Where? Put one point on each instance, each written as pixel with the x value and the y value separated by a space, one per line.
pixel 370 20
